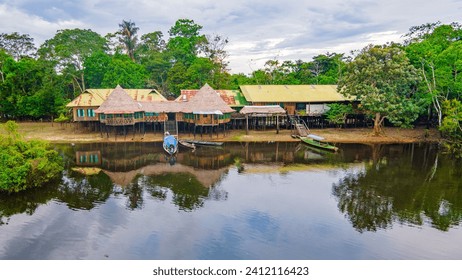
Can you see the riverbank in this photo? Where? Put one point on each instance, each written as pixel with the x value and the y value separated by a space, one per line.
pixel 69 133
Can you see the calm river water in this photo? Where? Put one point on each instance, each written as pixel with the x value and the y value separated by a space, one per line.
pixel 241 201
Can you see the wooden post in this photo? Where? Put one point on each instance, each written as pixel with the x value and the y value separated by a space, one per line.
pixel 277 124
pixel 246 124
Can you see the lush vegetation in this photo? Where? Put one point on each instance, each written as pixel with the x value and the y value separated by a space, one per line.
pixel 400 83
pixel 25 164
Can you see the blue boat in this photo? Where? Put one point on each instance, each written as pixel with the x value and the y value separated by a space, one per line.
pixel 170 144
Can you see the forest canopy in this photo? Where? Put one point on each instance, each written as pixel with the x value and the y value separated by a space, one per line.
pixel 37 82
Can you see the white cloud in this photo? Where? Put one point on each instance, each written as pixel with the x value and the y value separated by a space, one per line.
pixel 257 30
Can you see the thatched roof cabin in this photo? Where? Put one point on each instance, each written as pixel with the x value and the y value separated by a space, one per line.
pixel 119 102
pixel 206 101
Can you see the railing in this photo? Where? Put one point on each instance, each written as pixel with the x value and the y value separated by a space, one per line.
pixel 120 121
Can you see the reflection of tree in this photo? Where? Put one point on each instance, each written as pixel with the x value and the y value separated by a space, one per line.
pixel 84 192
pixel 25 202
pixel 134 192
pixel 188 192
pixel 405 188
pixel 366 209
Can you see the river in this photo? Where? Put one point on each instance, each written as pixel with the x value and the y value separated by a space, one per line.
pixel 240 201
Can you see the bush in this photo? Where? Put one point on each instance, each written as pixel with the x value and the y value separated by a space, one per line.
pixel 25 164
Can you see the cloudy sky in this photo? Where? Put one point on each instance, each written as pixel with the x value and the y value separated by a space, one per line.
pixel 258 30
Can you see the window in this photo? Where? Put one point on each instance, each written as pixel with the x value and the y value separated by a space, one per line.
pixel 94 158
pixel 90 113
pixel 102 116
pixel 80 113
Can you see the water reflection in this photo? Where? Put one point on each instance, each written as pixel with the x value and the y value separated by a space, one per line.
pixel 241 201
pixel 382 184
pixel 408 184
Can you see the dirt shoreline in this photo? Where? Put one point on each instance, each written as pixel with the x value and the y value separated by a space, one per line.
pixel 69 133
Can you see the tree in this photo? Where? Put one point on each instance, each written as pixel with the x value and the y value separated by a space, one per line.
pixel 122 71
pixel 68 49
pixel 96 66
pixel 18 45
pixel 434 50
pixel 185 41
pixel 151 42
pixel 337 113
pixel 452 121
pixel 128 38
pixel 151 53
pixel 384 81
pixel 30 89
pixel 215 50
pixel 25 164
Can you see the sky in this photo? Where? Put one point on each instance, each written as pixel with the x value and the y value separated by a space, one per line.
pixel 257 30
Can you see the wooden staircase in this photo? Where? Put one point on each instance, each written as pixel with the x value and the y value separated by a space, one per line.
pixel 171 127
pixel 300 126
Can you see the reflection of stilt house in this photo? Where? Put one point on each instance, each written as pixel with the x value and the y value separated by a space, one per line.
pixel 88 158
pixel 120 109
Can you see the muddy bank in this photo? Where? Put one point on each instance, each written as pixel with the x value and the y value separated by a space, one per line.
pixel 70 133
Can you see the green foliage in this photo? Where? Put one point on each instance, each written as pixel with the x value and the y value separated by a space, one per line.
pixel 25 164
pixel 127 36
pixel 68 50
pixel 384 81
pixel 451 125
pixel 185 41
pixel 106 71
pixel 435 50
pixel 29 89
pixel 337 113
pixel 17 45
pixel 62 119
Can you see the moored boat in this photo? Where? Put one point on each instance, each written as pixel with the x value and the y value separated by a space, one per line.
pixel 318 142
pixel 187 144
pixel 203 143
pixel 170 144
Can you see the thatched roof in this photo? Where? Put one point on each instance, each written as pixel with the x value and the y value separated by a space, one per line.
pixel 263 110
pixel 163 107
pixel 206 100
pixel 233 98
pixel 119 102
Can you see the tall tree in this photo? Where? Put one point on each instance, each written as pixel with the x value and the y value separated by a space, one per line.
pixel 30 89
pixel 18 45
pixel 434 50
pixel 128 37
pixel 152 55
pixel 185 41
pixel 384 81
pixel 108 71
pixel 68 50
pixel 215 50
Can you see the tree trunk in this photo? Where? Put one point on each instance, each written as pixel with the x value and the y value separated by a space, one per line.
pixel 377 124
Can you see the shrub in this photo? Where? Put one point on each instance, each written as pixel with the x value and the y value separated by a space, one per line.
pixel 25 164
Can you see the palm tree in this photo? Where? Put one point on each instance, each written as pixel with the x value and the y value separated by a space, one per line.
pixel 128 37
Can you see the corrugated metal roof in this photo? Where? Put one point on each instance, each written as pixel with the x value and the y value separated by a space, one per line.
pixel 96 97
pixel 292 93
pixel 271 110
